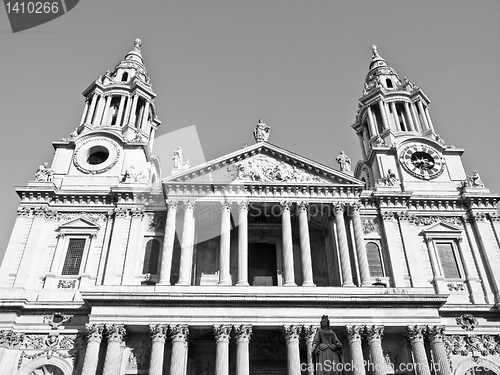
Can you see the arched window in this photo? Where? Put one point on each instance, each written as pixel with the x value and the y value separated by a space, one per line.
pixel 151 257
pixel 448 259
pixel 374 260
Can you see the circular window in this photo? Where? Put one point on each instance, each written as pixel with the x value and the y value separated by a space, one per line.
pixel 97 155
pixel 47 370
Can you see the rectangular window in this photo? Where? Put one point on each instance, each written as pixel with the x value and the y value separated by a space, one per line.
pixel 448 260
pixel 74 256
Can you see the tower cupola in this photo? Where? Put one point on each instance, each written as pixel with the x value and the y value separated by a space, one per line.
pixel 122 101
pixel 391 109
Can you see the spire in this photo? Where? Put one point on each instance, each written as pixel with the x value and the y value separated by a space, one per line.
pixel 381 75
pixel 122 101
pixel 130 68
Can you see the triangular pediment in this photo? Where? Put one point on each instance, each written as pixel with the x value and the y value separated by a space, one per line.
pixel 442 228
pixel 79 224
pixel 263 163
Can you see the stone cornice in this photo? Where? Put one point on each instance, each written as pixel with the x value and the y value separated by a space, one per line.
pixel 365 299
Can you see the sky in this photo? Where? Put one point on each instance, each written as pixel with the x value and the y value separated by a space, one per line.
pixel 222 65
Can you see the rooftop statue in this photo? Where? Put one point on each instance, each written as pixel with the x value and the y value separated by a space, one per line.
pixel 344 162
pixel 261 131
pixel 44 173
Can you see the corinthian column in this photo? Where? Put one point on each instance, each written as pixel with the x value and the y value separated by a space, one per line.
pixel 305 245
pixel 186 262
pixel 416 336
pixel 292 336
pixel 345 261
pixel 359 239
pixel 179 334
pixel 243 243
pixel 115 333
pixel 436 337
pixel 310 333
pixel 225 244
pixel 243 333
pixel 354 340
pixel 94 337
pixel 222 335
pixel 374 336
pixel 288 270
pixel 158 333
pixel 168 244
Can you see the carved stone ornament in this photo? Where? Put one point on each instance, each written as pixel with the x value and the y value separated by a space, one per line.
pixel 91 216
pixel 369 226
pixel 310 332
pixel 38 345
pixel 467 322
pixel 262 168
pixel 44 173
pixel 56 319
pixel 456 287
pixel 465 344
pixel 156 223
pixel 292 332
pixel 179 332
pixel 354 333
pixel 94 331
pixel 115 332
pixel 416 333
pixel 24 211
pixel 11 339
pixel 137 174
pixel 158 331
pixel 222 332
pixel 243 332
pixel 66 284
pixel 428 220
pixel 374 333
pixel 436 333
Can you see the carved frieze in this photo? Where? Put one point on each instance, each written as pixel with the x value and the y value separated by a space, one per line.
pixel 38 345
pixel 11 339
pixel 428 220
pixel 91 216
pixel 465 344
pixel 456 287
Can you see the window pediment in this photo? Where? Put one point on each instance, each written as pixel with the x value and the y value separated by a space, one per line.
pixel 442 230
pixel 79 225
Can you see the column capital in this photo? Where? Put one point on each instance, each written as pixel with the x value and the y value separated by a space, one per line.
pixel 243 205
pixel 243 332
pixel 226 205
pixel 302 206
pixel 436 333
pixel 374 333
pixel 416 333
pixel 286 205
pixel 354 209
pixel 115 332
pixel 189 205
pixel 94 332
pixel 137 213
pixel 339 208
pixel 354 333
pixel 292 333
pixel 179 332
pixel 158 332
pixel 172 205
pixel 310 332
pixel 222 332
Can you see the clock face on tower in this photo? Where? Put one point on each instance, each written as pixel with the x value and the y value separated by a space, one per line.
pixel 422 161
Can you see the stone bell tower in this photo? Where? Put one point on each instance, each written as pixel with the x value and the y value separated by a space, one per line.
pixel 400 148
pixel 114 140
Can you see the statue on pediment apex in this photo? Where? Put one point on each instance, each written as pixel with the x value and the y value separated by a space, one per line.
pixel 261 131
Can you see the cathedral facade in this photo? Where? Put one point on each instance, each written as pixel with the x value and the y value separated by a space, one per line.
pixel 227 267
